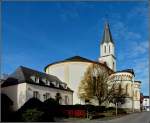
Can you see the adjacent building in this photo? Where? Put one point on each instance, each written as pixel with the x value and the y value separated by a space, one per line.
pixel 26 83
pixel 146 103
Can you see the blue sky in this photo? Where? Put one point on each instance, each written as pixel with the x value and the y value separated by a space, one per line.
pixel 38 33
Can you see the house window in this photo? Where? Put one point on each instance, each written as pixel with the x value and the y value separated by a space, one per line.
pixel 46 96
pixel 58 98
pixel 36 94
pixel 66 100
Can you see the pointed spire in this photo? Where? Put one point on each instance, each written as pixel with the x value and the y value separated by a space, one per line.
pixel 107 37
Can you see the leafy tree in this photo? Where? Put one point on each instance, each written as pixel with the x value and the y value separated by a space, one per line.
pixel 98 83
pixel 118 95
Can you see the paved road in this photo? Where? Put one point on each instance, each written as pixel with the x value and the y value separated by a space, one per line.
pixel 143 117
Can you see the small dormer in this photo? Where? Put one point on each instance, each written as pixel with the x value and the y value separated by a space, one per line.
pixel 57 84
pixel 35 78
pixel 64 85
pixel 54 83
pixel 45 80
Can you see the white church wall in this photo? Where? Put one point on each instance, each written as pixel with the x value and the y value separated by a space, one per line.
pixel 127 104
pixel 73 74
pixel 101 50
pixel 76 74
pixel 57 69
pixel 109 60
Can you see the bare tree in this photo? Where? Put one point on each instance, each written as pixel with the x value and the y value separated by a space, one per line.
pixel 98 82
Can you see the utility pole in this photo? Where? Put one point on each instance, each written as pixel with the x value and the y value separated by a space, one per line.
pixel 116 109
pixel 149 51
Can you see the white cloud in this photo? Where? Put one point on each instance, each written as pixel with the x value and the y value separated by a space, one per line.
pixel 139 11
pixel 141 47
pixel 141 69
pixel 137 48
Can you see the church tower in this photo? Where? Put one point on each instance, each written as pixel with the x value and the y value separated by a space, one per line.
pixel 107 49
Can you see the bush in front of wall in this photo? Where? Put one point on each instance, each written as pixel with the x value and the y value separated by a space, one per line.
pixel 32 115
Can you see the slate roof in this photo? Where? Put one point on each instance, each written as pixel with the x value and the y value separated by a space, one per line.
pixel 137 81
pixel 23 74
pixel 127 70
pixel 107 37
pixel 77 59
pixel 146 96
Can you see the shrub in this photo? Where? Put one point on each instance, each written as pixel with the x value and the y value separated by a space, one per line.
pixel 77 104
pixel 34 105
pixel 97 116
pixel 111 108
pixel 51 102
pixel 119 110
pixel 122 111
pixel 32 115
pixel 53 108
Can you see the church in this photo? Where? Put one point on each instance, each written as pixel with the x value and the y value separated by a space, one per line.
pixel 63 77
pixel 71 71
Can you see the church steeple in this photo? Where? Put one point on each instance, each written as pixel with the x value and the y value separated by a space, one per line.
pixel 107 37
pixel 107 48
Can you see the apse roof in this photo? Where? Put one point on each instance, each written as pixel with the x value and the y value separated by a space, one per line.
pixel 76 59
pixel 127 70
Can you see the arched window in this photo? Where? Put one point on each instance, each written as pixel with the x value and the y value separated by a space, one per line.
pixel 113 65
pixel 105 49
